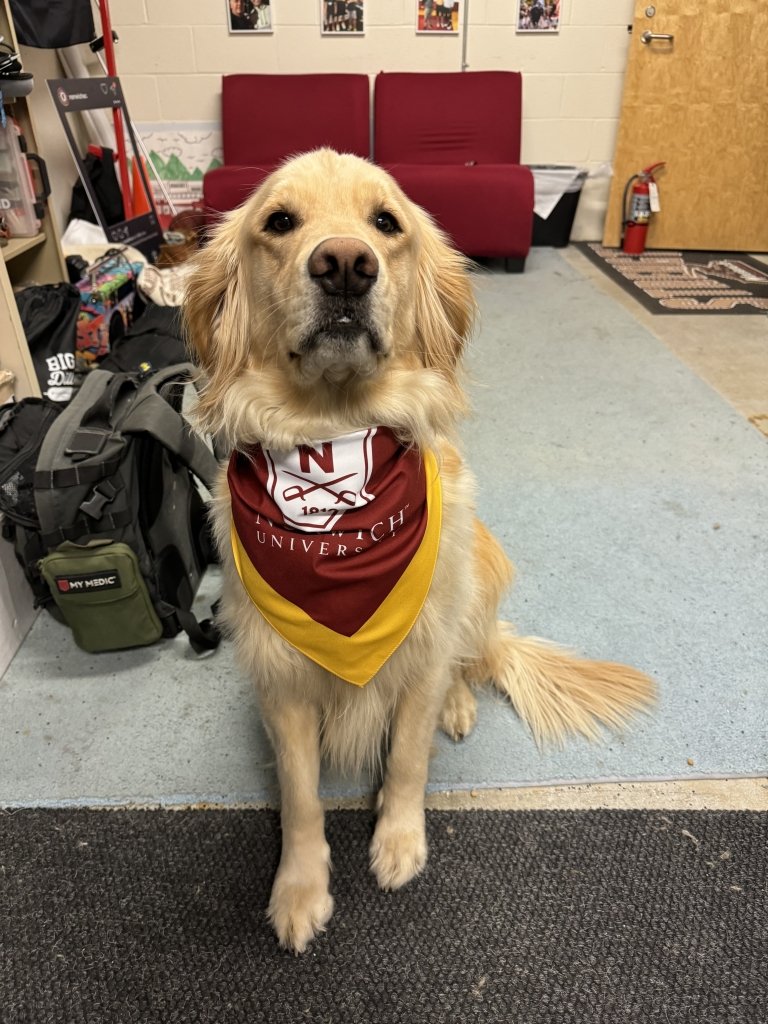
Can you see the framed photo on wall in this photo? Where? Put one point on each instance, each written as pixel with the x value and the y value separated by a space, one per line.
pixel 538 16
pixel 249 16
pixel 434 18
pixel 343 17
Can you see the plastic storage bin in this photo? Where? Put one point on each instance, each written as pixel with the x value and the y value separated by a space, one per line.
pixel 17 197
pixel 550 181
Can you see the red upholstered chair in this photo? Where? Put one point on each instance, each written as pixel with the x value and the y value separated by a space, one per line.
pixel 267 118
pixel 452 141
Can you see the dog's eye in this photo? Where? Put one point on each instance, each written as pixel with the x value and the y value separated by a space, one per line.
pixel 387 223
pixel 280 222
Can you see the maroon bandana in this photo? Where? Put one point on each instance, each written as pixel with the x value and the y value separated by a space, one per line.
pixel 332 526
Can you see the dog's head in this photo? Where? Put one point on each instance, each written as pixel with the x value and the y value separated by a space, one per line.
pixel 324 284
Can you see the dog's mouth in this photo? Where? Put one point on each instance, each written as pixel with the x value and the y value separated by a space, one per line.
pixel 340 343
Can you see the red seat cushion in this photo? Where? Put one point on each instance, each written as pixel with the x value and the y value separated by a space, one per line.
pixel 486 209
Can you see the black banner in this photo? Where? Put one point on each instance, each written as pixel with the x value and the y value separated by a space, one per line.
pixel 72 95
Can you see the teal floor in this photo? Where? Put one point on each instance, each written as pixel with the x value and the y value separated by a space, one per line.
pixel 630 496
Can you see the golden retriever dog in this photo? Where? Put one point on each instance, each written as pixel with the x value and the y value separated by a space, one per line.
pixel 328 315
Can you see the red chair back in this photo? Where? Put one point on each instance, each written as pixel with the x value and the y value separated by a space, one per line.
pixel 266 118
pixel 451 117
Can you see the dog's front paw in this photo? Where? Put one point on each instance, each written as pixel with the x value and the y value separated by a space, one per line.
pixel 398 852
pixel 300 906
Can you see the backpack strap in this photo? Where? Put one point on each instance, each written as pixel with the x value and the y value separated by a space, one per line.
pixel 186 372
pixel 57 462
pixel 100 414
pixel 203 635
pixel 152 414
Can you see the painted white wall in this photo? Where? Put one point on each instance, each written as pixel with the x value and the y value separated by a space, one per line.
pixel 172 54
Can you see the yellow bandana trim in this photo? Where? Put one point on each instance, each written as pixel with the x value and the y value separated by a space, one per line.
pixel 356 658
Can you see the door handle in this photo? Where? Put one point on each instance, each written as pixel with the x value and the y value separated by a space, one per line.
pixel 648 37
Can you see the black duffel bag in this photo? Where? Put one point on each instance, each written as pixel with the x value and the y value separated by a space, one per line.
pixel 48 315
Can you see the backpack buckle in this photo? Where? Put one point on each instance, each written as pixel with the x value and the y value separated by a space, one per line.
pixel 101 496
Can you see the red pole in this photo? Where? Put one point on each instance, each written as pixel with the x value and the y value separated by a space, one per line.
pixel 117 115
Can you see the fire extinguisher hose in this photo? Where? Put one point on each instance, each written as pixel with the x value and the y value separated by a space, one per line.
pixel 625 217
pixel 627 187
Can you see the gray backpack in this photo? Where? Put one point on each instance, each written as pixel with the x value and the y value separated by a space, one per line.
pixel 122 526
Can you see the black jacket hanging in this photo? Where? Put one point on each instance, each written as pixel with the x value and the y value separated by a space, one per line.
pixel 103 179
pixel 49 24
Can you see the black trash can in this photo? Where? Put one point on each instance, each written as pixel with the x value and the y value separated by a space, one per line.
pixel 555 230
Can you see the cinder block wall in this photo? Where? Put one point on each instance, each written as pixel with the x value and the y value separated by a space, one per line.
pixel 172 54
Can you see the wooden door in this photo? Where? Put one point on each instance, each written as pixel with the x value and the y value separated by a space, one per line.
pixel 698 102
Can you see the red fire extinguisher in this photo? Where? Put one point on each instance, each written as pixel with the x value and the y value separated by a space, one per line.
pixel 636 218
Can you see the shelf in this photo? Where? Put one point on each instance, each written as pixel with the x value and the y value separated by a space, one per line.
pixel 16 246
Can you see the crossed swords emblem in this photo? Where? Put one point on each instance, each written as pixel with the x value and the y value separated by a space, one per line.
pixel 292 493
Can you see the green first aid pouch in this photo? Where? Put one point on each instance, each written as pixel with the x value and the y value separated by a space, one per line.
pixel 101 594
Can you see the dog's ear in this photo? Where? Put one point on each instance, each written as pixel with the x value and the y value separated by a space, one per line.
pixel 216 315
pixel 445 302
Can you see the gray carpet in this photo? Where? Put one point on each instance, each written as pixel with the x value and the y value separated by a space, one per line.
pixel 535 917
pixel 632 499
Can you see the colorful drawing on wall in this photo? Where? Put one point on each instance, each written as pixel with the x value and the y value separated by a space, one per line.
pixel 538 15
pixel 341 16
pixel 249 16
pixel 435 18
pixel 181 154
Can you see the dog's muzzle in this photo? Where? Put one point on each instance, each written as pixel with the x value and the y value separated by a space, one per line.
pixel 342 337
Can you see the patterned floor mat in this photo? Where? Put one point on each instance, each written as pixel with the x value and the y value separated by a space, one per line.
pixel 676 281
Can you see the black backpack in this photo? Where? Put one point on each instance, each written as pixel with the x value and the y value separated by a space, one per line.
pixel 101 503
pixel 23 427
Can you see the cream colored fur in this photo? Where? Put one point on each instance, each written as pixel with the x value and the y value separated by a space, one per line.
pixel 250 303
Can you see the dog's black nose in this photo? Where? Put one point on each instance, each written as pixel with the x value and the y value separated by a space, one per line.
pixel 343 266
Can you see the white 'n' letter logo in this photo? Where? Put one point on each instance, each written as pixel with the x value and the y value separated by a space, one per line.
pixel 314 485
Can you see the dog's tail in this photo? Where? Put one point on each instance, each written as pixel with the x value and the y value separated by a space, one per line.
pixel 556 692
